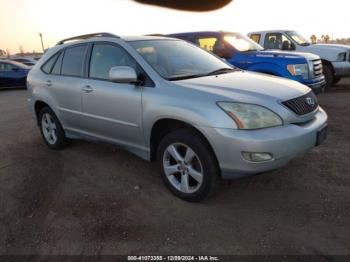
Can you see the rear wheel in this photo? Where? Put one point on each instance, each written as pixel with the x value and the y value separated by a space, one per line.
pixel 188 165
pixel 329 76
pixel 51 129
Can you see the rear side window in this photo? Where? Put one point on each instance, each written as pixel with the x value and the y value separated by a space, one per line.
pixel 207 43
pixel 73 61
pixel 256 37
pixel 56 70
pixel 48 65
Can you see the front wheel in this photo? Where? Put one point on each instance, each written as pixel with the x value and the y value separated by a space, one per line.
pixel 188 165
pixel 329 76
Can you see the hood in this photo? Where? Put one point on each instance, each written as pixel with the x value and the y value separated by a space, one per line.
pixel 247 85
pixel 329 52
pixel 335 47
pixel 288 54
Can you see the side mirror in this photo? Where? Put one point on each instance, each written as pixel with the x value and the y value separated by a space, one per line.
pixel 123 74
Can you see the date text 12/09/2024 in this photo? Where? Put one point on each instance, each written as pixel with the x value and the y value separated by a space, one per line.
pixel 173 258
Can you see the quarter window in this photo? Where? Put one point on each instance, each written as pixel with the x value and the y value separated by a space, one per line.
pixel 48 65
pixel 56 70
pixel 73 61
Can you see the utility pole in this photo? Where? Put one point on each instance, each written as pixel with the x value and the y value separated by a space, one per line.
pixel 42 42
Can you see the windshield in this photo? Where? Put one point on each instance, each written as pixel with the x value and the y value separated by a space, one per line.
pixel 242 43
pixel 299 39
pixel 176 59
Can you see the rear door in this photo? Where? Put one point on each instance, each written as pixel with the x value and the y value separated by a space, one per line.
pixel 112 111
pixel 64 75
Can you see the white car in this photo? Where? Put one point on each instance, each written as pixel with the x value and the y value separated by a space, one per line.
pixel 335 58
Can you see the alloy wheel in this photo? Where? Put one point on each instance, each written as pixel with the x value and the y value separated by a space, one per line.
pixel 49 128
pixel 183 168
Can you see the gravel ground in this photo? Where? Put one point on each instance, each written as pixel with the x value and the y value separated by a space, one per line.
pixel 89 199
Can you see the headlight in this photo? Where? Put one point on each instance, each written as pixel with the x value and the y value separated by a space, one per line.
pixel 341 57
pixel 299 70
pixel 249 116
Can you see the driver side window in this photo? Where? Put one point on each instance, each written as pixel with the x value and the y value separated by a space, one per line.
pixel 277 41
pixel 106 56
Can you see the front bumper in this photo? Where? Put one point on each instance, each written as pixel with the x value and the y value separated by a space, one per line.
pixel 284 143
pixel 316 84
pixel 342 69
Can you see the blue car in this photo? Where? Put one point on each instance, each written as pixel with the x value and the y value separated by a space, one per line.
pixel 13 74
pixel 245 54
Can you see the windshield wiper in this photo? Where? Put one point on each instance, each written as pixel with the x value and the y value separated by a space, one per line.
pixel 221 71
pixel 215 72
pixel 185 77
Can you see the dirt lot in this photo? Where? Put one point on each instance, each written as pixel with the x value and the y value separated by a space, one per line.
pixel 91 200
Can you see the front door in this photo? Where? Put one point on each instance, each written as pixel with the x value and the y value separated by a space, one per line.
pixel 112 111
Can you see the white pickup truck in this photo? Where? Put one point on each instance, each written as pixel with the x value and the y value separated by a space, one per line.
pixel 335 58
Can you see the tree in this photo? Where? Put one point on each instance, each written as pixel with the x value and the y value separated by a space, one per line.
pixel 313 39
pixel 326 38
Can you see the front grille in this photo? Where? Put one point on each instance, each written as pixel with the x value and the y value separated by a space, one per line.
pixel 317 66
pixel 302 105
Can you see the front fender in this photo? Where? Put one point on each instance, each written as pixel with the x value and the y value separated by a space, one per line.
pixel 152 116
pixel 267 68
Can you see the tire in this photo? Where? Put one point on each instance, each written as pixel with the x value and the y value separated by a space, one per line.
pixel 329 76
pixel 51 129
pixel 192 181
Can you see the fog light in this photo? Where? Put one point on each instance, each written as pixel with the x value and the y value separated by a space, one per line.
pixel 257 157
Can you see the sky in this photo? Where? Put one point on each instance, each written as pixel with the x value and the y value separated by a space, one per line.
pixel 22 20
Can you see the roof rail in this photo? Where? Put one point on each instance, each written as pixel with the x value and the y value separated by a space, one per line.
pixel 82 37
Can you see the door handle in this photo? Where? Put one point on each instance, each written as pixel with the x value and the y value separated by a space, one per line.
pixel 48 83
pixel 87 89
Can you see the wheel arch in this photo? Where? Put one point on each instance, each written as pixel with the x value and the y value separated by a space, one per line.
pixel 38 106
pixel 329 64
pixel 164 126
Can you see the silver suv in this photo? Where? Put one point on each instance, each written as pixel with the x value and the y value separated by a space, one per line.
pixel 168 100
